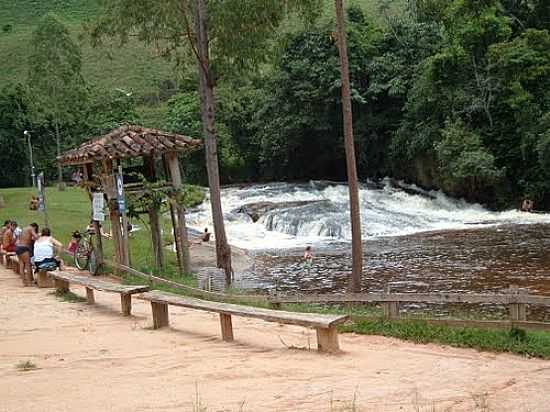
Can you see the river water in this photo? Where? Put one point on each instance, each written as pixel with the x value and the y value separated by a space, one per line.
pixel 414 240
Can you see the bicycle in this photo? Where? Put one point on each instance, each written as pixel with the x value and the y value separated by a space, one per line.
pixel 84 254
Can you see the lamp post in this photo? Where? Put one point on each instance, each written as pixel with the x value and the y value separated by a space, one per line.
pixel 33 176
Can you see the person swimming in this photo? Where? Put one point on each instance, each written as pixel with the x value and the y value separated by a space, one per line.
pixel 308 258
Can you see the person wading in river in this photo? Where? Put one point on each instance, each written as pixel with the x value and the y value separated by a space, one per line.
pixel 24 247
pixel 308 259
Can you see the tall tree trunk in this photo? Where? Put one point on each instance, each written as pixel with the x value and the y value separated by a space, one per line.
pixel 356 244
pixel 223 251
pixel 60 183
pixel 154 212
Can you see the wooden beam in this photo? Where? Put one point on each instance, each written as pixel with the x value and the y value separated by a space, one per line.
pixel 126 304
pixel 43 281
pixel 227 327
pixel 181 227
pixel 374 297
pixel 90 296
pixel 114 217
pixel 88 171
pixel 156 236
pixel 327 340
pixel 160 315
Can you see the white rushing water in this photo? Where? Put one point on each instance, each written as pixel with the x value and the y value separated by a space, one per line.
pixel 323 218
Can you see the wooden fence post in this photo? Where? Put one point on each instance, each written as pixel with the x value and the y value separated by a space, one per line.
pixel 181 227
pixel 391 309
pixel 518 311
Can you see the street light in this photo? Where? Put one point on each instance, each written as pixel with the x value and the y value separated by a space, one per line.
pixel 33 176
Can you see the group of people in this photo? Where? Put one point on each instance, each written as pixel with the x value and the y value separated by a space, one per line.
pixel 31 245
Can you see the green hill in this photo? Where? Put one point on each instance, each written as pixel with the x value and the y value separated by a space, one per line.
pixel 133 67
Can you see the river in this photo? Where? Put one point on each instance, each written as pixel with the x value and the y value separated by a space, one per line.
pixel 414 240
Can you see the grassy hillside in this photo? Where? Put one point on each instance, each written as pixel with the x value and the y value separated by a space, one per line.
pixel 131 68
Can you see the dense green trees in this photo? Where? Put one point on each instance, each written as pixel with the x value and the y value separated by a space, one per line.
pixel 55 80
pixel 450 94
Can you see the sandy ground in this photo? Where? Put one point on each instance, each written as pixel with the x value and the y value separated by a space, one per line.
pixel 90 358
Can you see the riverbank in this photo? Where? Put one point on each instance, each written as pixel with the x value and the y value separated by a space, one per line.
pixel 82 357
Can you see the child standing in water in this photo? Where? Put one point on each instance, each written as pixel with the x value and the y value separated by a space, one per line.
pixel 308 258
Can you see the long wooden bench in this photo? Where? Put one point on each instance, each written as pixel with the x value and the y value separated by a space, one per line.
pixel 325 325
pixel 64 279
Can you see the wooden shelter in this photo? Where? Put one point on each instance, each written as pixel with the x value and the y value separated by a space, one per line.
pixel 99 159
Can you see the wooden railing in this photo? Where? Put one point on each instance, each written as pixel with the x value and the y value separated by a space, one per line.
pixel 515 298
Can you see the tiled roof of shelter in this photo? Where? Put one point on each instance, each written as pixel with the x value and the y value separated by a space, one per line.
pixel 126 142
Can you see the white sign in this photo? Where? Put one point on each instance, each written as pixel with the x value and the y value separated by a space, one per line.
pixel 97 206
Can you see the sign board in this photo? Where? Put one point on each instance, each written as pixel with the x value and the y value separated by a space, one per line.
pixel 40 187
pixel 120 193
pixel 97 207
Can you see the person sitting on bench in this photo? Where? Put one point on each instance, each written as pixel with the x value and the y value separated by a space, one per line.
pixel 33 203
pixel 9 239
pixel 44 249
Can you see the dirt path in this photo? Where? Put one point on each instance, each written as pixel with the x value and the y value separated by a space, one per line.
pixel 90 358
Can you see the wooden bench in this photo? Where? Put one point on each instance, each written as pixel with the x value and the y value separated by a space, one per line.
pixel 325 325
pixel 43 279
pixel 63 279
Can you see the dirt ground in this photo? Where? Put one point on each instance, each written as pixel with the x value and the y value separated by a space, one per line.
pixel 90 358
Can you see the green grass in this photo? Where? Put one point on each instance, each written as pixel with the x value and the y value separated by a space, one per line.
pixel 70 210
pixel 26 366
pixel 529 343
pixel 68 296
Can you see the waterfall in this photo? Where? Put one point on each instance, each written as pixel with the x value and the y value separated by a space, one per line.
pixel 293 215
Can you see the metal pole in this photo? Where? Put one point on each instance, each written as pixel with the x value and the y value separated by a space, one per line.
pixel 33 175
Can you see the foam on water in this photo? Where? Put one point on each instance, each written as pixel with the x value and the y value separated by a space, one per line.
pixel 385 211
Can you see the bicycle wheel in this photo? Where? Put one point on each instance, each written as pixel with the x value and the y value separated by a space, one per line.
pixel 82 254
pixel 92 263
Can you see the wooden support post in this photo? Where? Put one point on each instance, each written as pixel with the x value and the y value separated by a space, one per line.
pixel 181 229
pixel 113 213
pixel 126 304
pixel 125 243
pixel 43 281
pixel 391 310
pixel 156 236
pixel 518 311
pixel 160 315
pixel 87 170
pixel 90 296
pixel 327 340
pixel 62 286
pixel 227 327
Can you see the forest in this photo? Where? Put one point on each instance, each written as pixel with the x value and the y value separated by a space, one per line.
pixel 448 94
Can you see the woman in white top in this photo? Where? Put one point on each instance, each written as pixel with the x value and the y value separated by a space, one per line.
pixel 44 250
